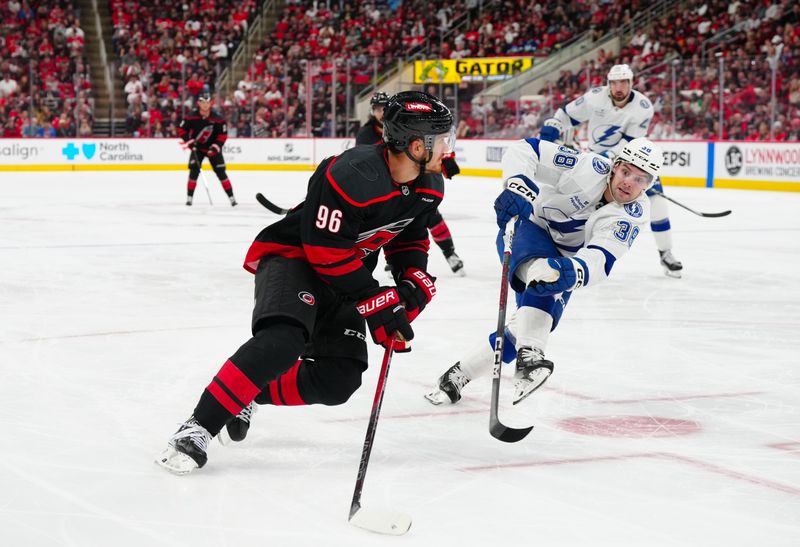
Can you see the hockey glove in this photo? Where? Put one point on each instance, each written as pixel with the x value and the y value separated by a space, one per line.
pixel 416 288
pixel 385 315
pixel 551 276
pixel 516 200
pixel 449 166
pixel 214 150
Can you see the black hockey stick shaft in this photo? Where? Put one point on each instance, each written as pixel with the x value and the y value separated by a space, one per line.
pixel 698 213
pixel 496 428
pixel 269 205
pixel 355 505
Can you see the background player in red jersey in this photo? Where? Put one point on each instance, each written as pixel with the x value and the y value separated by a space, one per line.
pixel 204 132
pixel 314 287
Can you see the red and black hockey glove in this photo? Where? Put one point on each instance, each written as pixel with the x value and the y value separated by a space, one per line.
pixel 385 315
pixel 416 288
pixel 214 150
pixel 449 166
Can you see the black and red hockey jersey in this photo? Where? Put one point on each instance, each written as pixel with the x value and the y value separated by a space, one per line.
pixel 352 209
pixel 204 131
pixel 370 133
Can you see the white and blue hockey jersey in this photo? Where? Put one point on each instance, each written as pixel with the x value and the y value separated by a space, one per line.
pixel 569 203
pixel 609 127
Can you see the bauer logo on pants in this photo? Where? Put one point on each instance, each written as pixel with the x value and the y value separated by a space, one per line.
pixel 307 298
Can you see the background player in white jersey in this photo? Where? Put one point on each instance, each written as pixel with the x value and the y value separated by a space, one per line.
pixel 577 215
pixel 617 114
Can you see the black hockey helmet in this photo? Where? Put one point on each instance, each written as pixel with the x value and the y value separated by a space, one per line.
pixel 411 115
pixel 205 94
pixel 379 99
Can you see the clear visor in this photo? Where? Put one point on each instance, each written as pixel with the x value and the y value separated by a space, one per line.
pixel 635 175
pixel 446 141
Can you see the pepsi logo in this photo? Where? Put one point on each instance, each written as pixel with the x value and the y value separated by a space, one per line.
pixel 419 107
pixel 306 297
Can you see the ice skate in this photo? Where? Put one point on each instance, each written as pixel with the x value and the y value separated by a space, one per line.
pixel 533 370
pixel 186 450
pixel 189 201
pixel 236 429
pixel 233 201
pixel 672 267
pixel 449 386
pixel 456 264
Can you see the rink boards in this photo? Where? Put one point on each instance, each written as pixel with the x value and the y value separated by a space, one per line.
pixel 735 164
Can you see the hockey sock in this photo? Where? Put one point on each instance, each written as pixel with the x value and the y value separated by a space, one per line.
pixel 478 362
pixel 327 381
pixel 533 327
pixel 659 223
pixel 443 238
pixel 265 356
pixel 190 186
pixel 226 185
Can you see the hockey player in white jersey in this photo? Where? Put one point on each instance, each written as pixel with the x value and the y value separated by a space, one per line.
pixel 577 214
pixel 616 114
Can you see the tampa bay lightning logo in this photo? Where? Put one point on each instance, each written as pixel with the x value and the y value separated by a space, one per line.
pixel 567 149
pixel 600 166
pixel 597 89
pixel 607 135
pixel 634 209
pixel 644 103
pixel 579 100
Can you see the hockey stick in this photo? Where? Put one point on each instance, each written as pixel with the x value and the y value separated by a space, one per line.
pixel 496 428
pixel 269 205
pixel 698 213
pixel 382 522
pixel 203 177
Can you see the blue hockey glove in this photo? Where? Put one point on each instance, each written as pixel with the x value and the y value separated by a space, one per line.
pixel 516 200
pixel 556 275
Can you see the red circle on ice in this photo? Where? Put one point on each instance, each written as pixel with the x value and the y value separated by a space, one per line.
pixel 629 426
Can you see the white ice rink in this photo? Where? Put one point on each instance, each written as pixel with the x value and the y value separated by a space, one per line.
pixel 672 417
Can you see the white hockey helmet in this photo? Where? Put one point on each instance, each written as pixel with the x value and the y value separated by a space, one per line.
pixel 620 72
pixel 644 154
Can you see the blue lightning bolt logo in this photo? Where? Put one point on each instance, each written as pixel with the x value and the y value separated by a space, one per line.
pixel 608 133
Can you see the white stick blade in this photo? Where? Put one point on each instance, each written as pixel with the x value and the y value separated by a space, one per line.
pixel 381 522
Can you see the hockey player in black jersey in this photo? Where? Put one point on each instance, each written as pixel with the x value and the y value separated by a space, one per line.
pixel 204 133
pixel 372 133
pixel 315 294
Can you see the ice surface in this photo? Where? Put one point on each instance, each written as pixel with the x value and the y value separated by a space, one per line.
pixel 671 418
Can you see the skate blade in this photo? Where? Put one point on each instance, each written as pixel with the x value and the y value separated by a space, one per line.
pixel 176 462
pixel 223 437
pixel 674 274
pixel 437 397
pixel 524 387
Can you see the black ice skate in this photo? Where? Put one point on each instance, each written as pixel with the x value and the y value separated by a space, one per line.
pixel 533 370
pixel 233 201
pixel 186 450
pixel 456 264
pixel 189 200
pixel 672 267
pixel 449 386
pixel 236 430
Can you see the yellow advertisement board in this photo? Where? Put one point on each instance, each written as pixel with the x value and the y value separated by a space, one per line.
pixel 454 71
